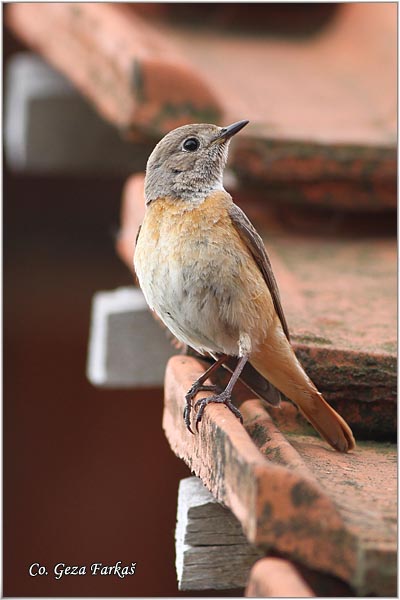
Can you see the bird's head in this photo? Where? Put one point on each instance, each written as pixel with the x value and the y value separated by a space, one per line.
pixel 188 162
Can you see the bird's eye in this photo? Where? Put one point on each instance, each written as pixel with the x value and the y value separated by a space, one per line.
pixel 191 144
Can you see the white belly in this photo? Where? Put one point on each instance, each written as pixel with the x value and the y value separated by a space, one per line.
pixel 198 307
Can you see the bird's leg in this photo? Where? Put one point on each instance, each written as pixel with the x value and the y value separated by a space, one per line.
pixel 225 396
pixel 199 387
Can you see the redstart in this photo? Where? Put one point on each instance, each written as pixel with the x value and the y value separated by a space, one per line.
pixel 204 270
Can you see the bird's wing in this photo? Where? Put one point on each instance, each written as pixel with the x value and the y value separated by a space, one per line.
pixel 256 246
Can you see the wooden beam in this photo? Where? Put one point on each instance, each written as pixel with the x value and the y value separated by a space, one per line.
pixel 212 553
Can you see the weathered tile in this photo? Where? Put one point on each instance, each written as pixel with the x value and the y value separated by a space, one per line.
pixel 296 495
pixel 276 578
pixel 322 108
pixel 132 74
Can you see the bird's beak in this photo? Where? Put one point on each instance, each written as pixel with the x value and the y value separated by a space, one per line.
pixel 227 132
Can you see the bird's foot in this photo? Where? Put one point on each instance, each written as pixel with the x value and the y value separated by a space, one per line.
pixel 223 398
pixel 196 387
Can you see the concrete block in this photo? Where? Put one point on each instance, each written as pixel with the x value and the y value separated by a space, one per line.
pixel 211 549
pixel 51 128
pixel 127 347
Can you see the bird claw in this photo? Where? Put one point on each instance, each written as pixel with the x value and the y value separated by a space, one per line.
pixel 196 387
pixel 222 398
pixel 186 416
pixel 199 387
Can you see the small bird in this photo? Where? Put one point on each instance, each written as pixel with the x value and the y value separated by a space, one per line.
pixel 204 270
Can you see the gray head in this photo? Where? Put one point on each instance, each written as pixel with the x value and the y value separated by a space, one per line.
pixel 188 163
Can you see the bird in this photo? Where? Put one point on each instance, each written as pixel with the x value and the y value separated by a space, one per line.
pixel 205 272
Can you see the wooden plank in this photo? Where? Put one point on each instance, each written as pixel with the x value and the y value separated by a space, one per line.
pixel 202 520
pixel 212 552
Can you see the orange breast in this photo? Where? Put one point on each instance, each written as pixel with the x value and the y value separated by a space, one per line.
pixel 202 248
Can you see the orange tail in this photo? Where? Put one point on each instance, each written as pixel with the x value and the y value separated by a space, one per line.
pixel 277 362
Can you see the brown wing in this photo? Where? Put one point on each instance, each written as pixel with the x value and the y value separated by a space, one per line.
pixel 256 246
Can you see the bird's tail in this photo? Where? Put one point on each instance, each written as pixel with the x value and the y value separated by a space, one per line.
pixel 277 362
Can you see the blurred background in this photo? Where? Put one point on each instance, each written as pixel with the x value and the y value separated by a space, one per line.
pixel 88 90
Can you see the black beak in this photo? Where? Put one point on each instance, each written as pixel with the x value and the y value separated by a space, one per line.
pixel 228 132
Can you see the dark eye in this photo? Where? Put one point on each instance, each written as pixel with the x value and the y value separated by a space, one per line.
pixel 191 144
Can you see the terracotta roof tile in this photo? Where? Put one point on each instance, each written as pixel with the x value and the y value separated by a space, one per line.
pixel 295 495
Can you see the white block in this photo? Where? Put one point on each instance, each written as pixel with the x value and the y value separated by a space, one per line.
pixel 51 128
pixel 127 347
